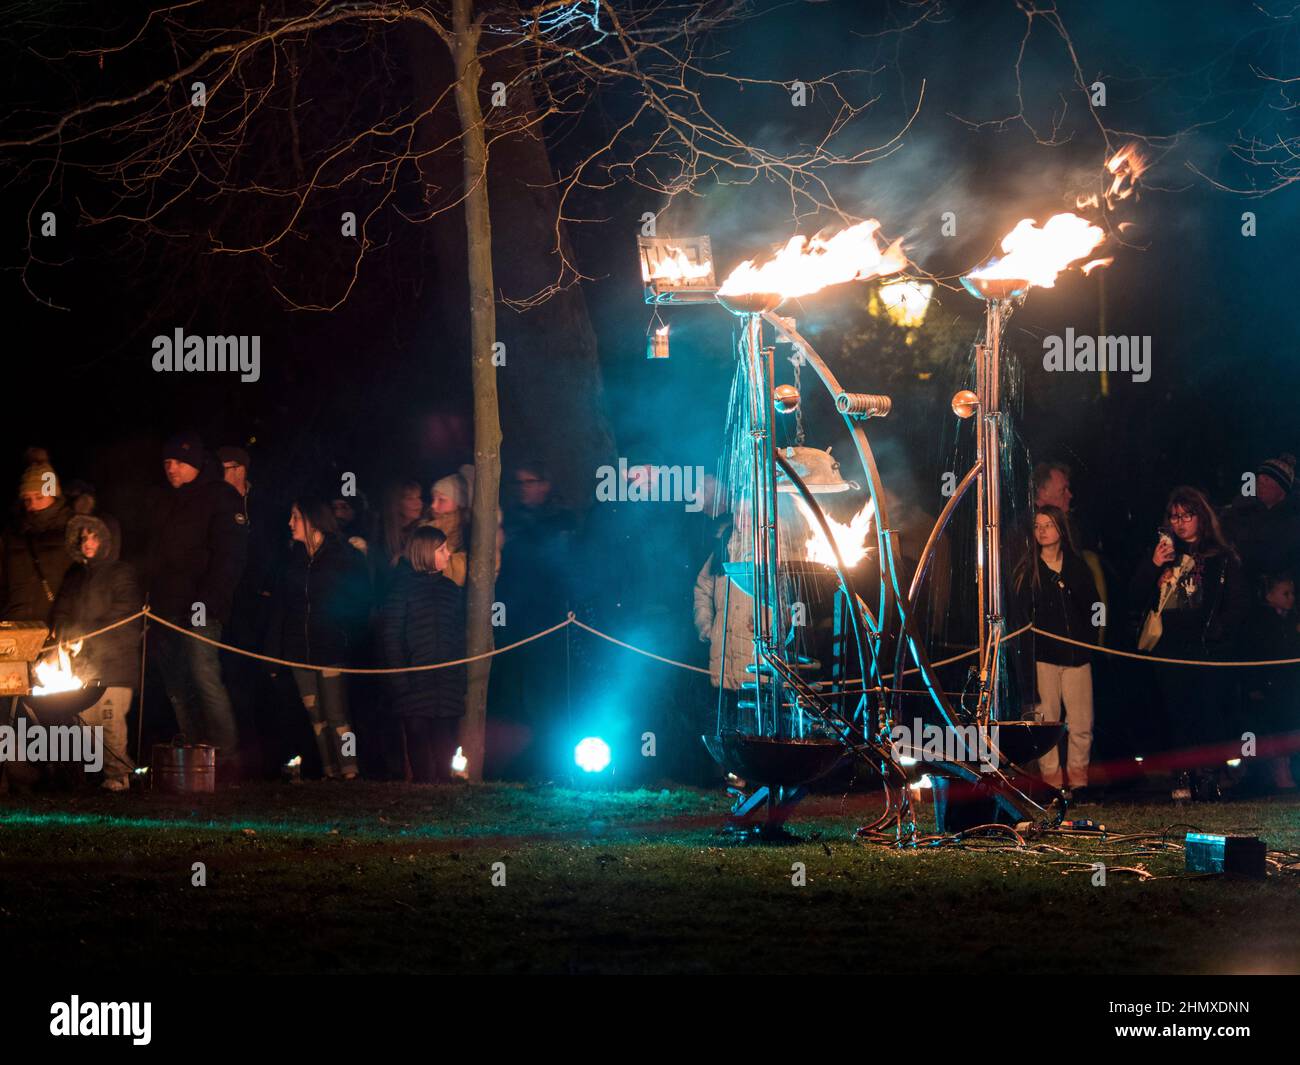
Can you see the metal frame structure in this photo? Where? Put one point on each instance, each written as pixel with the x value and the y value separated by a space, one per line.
pixel 889 631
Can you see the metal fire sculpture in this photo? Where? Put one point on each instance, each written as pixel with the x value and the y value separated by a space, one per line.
pixel 797 718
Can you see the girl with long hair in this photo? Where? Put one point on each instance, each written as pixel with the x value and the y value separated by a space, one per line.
pixel 322 609
pixel 1058 594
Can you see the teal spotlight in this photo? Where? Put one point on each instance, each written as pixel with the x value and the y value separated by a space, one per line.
pixel 591 754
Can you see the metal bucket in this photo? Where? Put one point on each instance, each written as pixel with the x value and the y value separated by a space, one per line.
pixel 184 770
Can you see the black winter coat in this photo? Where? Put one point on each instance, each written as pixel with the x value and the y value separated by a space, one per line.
pixel 97 592
pixel 1206 623
pixel 422 622
pixel 1061 603
pixel 322 605
pixel 21 593
pixel 197 548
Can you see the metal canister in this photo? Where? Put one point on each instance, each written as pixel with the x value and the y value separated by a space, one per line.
pixel 184 769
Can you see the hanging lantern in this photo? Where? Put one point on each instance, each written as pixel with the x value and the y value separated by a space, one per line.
pixel 656 346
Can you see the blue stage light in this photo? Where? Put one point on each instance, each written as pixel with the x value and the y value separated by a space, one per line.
pixel 591 754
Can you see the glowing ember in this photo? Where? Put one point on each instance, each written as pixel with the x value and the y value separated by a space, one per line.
pixel 851 539
pixel 805 265
pixel 1125 166
pixel 55 674
pixel 677 266
pixel 1037 255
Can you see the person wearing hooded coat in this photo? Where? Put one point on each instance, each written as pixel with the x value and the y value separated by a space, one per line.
pixel 98 590
pixel 33 559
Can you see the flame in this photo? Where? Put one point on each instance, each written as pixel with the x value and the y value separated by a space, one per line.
pixel 805 265
pixel 677 266
pixel 295 760
pixel 55 674
pixel 1037 255
pixel 662 331
pixel 851 539
pixel 1091 266
pixel 1125 166
pixel 1082 202
pixel 459 763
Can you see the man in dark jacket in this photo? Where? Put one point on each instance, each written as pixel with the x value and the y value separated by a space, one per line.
pixel 98 591
pixel 196 556
pixel 1264 527
pixel 33 558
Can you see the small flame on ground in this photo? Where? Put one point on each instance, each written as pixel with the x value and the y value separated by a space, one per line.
pixel 806 265
pixel 1038 255
pixel 677 266
pixel 295 760
pixel 459 763
pixel 851 539
pixel 55 675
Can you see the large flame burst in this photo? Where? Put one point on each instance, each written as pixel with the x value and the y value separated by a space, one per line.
pixel 1038 254
pixel 806 264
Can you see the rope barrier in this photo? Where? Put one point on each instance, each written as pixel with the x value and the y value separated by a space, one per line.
pixel 572 619
pixel 349 669
pixel 1142 657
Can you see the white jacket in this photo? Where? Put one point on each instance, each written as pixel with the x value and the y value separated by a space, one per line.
pixel 710 601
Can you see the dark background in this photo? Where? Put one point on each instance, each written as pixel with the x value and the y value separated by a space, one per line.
pixel 379 386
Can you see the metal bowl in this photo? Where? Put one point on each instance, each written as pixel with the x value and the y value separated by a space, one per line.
pixel 774 761
pixel 62 707
pixel 1023 741
pixel 751 302
pixel 995 288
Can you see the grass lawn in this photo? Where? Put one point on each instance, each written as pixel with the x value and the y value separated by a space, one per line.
pixel 392 878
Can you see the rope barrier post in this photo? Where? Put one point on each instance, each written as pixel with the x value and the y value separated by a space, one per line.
pixel 139 699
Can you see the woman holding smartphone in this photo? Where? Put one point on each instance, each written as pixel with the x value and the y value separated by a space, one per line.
pixel 1205 605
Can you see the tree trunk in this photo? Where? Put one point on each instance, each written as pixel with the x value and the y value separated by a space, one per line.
pixel 487 420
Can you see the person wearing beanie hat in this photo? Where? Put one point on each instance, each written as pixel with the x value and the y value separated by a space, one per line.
pixel 1262 526
pixel 32 558
pixel 197 550
pixel 1274 480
